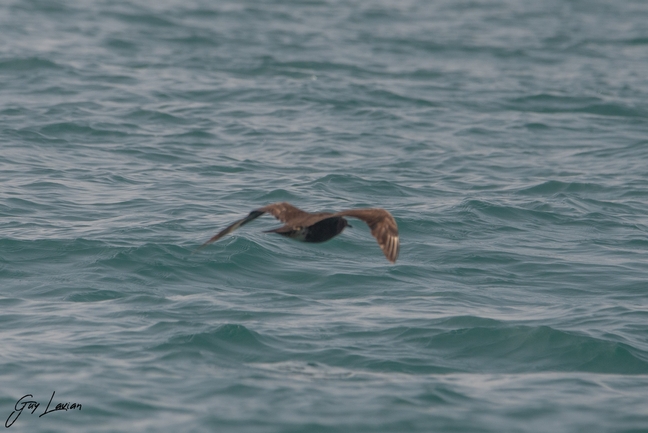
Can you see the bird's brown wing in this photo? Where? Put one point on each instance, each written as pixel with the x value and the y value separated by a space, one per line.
pixel 285 212
pixel 282 211
pixel 383 227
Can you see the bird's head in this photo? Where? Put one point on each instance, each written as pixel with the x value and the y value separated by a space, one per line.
pixel 342 223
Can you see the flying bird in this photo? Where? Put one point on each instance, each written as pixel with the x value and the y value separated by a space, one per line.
pixel 322 226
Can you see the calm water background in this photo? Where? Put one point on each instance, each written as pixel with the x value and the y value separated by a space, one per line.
pixel 509 138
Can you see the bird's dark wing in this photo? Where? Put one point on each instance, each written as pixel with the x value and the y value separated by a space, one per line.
pixel 229 229
pixel 282 211
pixel 383 227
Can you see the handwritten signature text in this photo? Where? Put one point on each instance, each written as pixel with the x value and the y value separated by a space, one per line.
pixel 24 402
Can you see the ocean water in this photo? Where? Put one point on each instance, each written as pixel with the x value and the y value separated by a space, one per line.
pixel 509 139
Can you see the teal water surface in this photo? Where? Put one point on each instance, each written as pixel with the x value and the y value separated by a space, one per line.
pixel 507 137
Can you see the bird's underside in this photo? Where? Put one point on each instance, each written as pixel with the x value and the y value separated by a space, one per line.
pixel 322 226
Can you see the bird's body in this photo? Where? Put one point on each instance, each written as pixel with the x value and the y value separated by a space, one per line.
pixel 322 226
